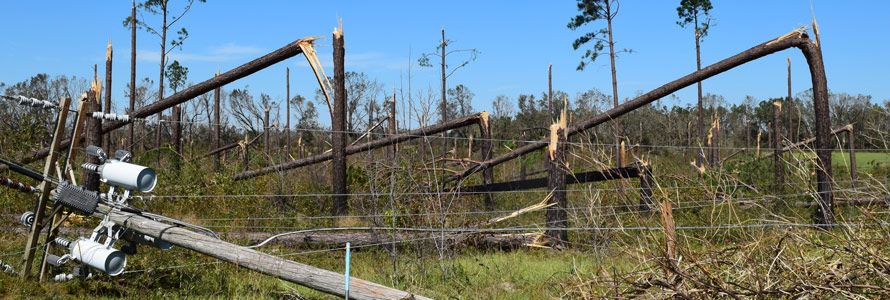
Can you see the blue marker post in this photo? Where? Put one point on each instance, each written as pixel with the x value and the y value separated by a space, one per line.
pixel 347 271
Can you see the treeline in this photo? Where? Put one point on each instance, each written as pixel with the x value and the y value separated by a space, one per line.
pixel 247 113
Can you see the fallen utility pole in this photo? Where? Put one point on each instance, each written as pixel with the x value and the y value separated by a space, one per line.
pixel 379 143
pixel 288 51
pixel 306 275
pixel 795 39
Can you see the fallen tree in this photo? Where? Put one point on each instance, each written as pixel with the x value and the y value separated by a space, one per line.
pixel 477 118
pixel 288 51
pixel 795 39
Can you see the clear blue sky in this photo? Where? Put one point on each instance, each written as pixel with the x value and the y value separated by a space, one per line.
pixel 517 40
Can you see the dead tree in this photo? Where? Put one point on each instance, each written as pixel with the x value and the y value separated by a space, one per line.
pixel 796 39
pixel 287 105
pixel 557 216
pixel 340 204
pixel 778 166
pixel 93 131
pixel 109 53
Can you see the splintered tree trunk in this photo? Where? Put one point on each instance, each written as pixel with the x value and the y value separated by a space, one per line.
pixel 557 216
pixel 485 143
pixel 93 130
pixel 393 126
pixel 290 50
pixel 108 57
pixel 340 203
pixel 778 165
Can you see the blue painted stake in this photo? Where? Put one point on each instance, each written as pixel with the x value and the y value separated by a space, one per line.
pixel 347 271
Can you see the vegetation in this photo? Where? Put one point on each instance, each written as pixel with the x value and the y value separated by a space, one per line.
pixel 730 230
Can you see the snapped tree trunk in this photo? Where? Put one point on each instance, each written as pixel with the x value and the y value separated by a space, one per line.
pixel 340 202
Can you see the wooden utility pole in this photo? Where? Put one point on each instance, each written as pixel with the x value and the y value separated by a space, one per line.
pixel 109 53
pixel 557 216
pixel 39 210
pixel 778 164
pixel 340 204
pixel 287 100
pixel 131 139
pixel 306 275
pixel 216 125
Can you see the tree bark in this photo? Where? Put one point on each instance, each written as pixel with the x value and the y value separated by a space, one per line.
pixel 93 131
pixel 340 201
pixel 778 164
pixel 485 143
pixel 287 101
pixel 557 216
pixel 160 130
pixel 109 54
pixel 616 123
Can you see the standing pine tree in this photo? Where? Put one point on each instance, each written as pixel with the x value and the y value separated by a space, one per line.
pixel 698 14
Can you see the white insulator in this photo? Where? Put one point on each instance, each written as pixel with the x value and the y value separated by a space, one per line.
pixel 111 116
pixel 36 102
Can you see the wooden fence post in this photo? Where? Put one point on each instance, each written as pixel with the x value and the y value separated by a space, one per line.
pixel 557 216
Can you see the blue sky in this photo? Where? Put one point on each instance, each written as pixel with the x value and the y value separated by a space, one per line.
pixel 517 40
